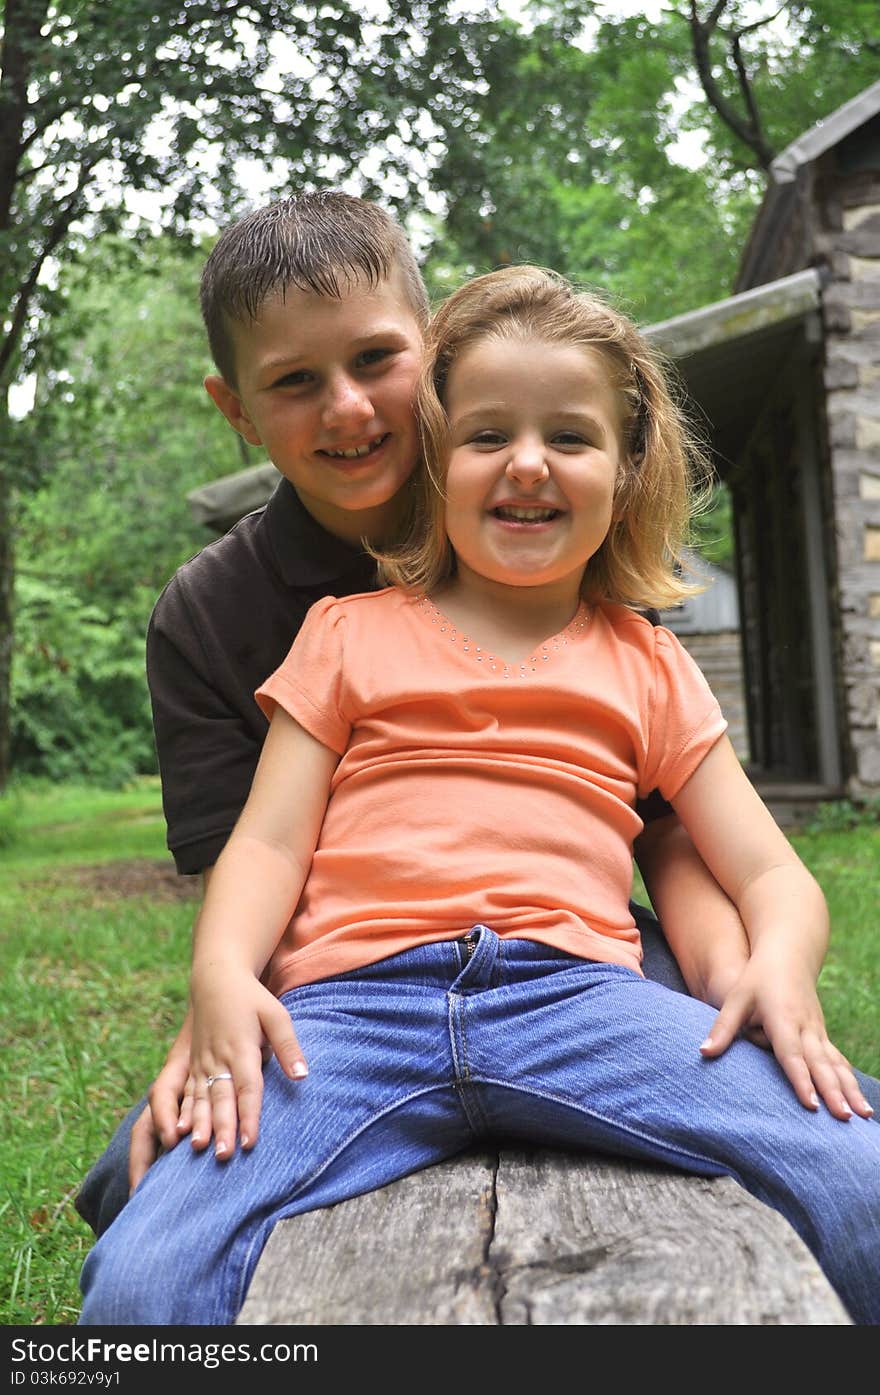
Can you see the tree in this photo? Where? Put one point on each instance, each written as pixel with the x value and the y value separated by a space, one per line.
pixel 98 101
pixel 126 429
pixel 566 154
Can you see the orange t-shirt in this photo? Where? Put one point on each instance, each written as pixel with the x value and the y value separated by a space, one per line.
pixel 472 791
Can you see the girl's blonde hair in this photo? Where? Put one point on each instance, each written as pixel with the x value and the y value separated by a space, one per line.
pixel 662 468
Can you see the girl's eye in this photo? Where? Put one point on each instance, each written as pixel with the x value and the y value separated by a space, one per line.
pixel 569 438
pixel 488 438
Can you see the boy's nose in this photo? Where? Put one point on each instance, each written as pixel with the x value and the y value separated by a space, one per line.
pixel 528 462
pixel 346 403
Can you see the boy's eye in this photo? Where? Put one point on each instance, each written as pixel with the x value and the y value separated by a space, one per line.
pixel 296 379
pixel 371 356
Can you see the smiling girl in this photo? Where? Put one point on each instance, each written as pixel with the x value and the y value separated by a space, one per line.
pixel 506 705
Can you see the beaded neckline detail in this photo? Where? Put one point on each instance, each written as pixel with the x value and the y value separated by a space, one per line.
pixel 554 645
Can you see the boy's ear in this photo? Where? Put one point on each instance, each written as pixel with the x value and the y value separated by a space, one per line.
pixel 227 400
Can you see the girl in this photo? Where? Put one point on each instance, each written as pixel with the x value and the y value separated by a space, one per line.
pixel 505 704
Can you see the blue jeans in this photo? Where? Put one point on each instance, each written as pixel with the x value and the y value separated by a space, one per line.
pixel 414 1059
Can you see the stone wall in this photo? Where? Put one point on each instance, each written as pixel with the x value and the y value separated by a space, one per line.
pixel 850 246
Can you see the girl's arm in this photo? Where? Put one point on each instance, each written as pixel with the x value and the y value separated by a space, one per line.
pixel 252 893
pixel 786 919
pixel 700 923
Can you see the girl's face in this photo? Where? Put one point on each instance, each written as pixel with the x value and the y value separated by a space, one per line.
pixel 535 435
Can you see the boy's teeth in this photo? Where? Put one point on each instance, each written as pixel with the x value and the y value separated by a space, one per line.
pixel 526 515
pixel 355 452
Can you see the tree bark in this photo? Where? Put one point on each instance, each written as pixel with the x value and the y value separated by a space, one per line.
pixel 6 579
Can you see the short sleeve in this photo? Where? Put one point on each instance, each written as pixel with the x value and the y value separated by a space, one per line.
pixel 308 684
pixel 685 719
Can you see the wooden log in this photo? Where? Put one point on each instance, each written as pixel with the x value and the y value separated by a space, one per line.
pixel 540 1238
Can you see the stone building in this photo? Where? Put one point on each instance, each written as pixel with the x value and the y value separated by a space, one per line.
pixel 785 375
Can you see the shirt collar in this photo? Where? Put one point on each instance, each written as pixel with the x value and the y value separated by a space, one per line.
pixel 305 554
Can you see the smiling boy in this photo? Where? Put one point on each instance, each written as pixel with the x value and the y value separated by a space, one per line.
pixel 315 308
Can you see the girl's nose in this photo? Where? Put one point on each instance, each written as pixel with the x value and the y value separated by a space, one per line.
pixel 346 403
pixel 527 463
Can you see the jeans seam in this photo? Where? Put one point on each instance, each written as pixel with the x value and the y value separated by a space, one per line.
pixel 673 1149
pixel 463 1081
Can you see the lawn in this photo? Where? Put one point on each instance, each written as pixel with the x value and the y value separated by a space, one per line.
pixel 94 949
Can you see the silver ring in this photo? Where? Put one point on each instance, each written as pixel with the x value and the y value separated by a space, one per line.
pixel 221 1075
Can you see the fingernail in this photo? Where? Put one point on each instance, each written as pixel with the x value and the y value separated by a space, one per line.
pixel 245 1140
pixel 299 1069
pixel 869 1107
pixel 814 1100
pixel 219 1150
pixel 704 1045
pixel 196 1138
pixel 845 1107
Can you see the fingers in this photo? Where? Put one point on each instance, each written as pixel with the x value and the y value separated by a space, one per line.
pixel 730 1021
pixel 233 1099
pixel 143 1148
pixel 833 1078
pixel 165 1097
pixel 185 1118
pixel 226 1103
pixel 819 1073
pixel 283 1041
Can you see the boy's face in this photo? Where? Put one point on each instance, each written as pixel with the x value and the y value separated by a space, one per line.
pixel 326 386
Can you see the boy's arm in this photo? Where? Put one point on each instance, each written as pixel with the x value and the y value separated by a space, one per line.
pixel 699 921
pixel 786 920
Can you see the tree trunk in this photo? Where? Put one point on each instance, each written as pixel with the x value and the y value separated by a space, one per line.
pixel 6 578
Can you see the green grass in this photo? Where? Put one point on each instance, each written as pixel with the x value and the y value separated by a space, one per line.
pixel 94 990
pixel 95 986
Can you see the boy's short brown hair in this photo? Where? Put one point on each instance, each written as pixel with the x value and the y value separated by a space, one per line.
pixel 321 242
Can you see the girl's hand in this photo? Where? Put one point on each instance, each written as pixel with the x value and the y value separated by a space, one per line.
pixel 233 1016
pixel 782 1003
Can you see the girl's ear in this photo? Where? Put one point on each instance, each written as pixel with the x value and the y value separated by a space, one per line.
pixel 227 401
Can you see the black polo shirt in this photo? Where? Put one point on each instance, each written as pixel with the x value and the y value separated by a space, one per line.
pixel 223 623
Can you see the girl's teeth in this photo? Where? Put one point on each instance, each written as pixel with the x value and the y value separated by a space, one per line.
pixel 526 515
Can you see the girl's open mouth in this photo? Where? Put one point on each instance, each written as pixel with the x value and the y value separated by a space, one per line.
pixel 525 515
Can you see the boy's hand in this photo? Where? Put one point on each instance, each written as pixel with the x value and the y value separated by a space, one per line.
pixel 774 997
pixel 233 1016
pixel 159 1124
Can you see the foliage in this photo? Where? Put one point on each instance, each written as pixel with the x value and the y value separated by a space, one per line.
pixel 100 102
pixel 126 430
pixel 713 530
pixel 10 814
pixel 79 695
pixel 567 153
pixel 840 815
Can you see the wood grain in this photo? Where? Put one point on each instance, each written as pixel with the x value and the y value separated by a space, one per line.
pixel 526 1237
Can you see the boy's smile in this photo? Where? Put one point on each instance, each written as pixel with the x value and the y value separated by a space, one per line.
pixel 534 462
pixel 326 386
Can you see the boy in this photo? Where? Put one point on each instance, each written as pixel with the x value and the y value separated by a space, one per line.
pixel 314 309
